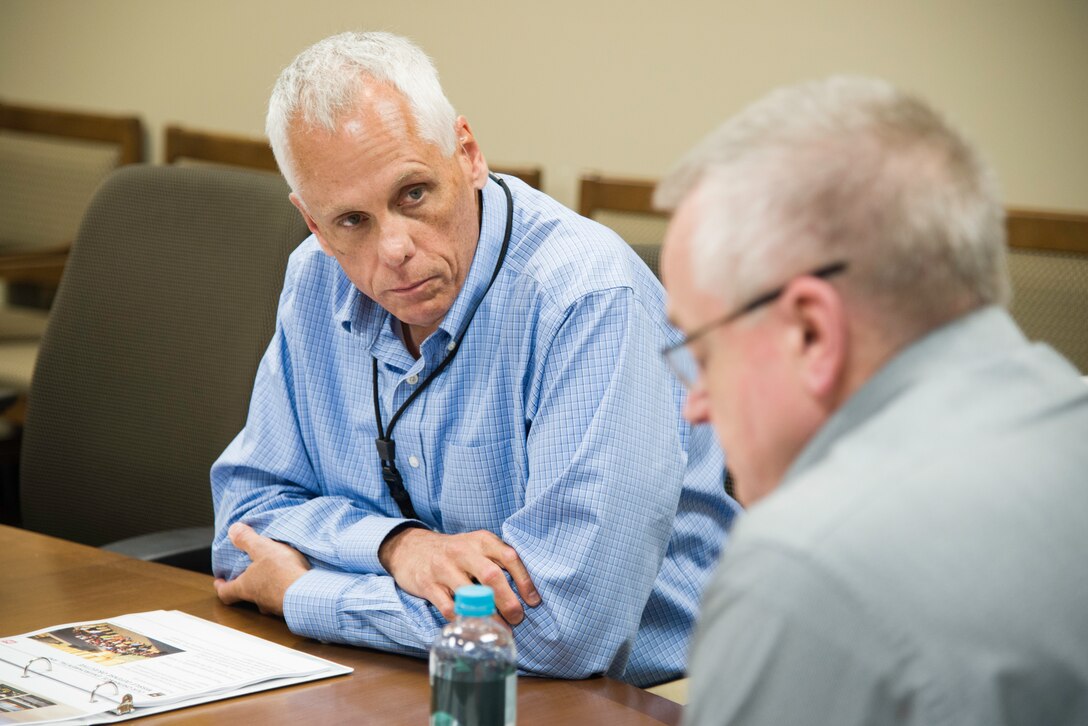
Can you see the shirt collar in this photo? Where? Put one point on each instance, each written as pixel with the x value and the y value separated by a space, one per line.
pixel 355 312
pixel 956 344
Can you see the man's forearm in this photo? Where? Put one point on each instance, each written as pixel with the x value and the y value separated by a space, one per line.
pixel 332 531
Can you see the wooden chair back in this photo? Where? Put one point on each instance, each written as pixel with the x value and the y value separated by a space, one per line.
pixel 531 175
pixel 626 205
pixel 1048 264
pixel 51 163
pixel 124 131
pixel 185 145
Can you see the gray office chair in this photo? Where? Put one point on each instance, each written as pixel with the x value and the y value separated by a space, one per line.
pixel 145 371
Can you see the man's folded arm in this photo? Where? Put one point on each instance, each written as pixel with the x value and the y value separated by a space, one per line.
pixel 606 467
pixel 606 472
pixel 265 479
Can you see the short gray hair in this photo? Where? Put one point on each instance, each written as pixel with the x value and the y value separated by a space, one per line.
pixel 846 169
pixel 323 82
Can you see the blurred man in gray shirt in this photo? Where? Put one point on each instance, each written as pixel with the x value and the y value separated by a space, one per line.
pixel 917 471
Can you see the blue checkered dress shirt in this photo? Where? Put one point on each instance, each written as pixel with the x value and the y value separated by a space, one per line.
pixel 557 427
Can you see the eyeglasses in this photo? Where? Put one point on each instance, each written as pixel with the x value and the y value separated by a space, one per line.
pixel 679 356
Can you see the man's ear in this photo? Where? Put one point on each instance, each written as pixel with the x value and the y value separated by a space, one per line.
pixel 470 151
pixel 310 223
pixel 820 338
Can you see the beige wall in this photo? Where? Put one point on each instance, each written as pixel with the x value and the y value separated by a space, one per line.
pixel 576 85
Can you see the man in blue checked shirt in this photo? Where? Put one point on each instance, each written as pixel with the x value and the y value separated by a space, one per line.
pixel 464 385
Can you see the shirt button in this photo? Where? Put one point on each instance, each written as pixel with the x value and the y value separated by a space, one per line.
pixel 413 379
pixel 413 461
pixel 451 345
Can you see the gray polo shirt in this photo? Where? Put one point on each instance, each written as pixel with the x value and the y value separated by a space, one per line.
pixel 925 560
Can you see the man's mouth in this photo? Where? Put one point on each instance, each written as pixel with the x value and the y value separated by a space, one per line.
pixel 410 288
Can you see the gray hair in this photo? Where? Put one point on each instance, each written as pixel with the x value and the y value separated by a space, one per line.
pixel 846 169
pixel 322 84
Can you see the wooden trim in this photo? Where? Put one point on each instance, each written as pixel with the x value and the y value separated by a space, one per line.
pixel 1026 228
pixel 248 151
pixel 531 175
pixel 616 194
pixel 1047 230
pixel 125 131
pixel 43 267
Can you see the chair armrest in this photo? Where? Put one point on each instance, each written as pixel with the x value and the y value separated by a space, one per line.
pixel 189 548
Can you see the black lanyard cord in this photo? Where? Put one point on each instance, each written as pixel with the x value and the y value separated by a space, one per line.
pixel 385 444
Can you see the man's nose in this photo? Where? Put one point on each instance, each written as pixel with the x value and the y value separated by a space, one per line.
pixel 395 246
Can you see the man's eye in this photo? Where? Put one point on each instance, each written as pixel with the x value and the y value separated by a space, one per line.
pixel 351 220
pixel 415 194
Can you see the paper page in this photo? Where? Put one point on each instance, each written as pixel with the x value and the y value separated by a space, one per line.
pixel 37 700
pixel 160 657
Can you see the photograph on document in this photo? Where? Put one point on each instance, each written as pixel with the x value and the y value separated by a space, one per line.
pixel 16 699
pixel 104 643
pixel 44 702
pixel 37 699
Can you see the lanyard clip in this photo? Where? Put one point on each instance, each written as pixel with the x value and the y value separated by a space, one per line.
pixel 387 449
pixel 392 478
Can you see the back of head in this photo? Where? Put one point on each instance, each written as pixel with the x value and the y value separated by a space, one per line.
pixel 847 169
pixel 322 85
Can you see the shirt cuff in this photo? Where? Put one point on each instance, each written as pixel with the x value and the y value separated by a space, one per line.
pixel 359 543
pixel 312 603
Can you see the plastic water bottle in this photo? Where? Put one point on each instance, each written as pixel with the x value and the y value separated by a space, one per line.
pixel 474 665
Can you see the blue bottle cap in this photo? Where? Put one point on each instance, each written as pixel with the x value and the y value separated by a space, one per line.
pixel 474 601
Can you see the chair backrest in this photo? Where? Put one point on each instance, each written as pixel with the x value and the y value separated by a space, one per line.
pixel 188 145
pixel 145 371
pixel 626 205
pixel 125 132
pixel 1048 263
pixel 531 175
pixel 51 162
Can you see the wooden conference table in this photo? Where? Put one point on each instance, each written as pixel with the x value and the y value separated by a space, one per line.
pixel 48 581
